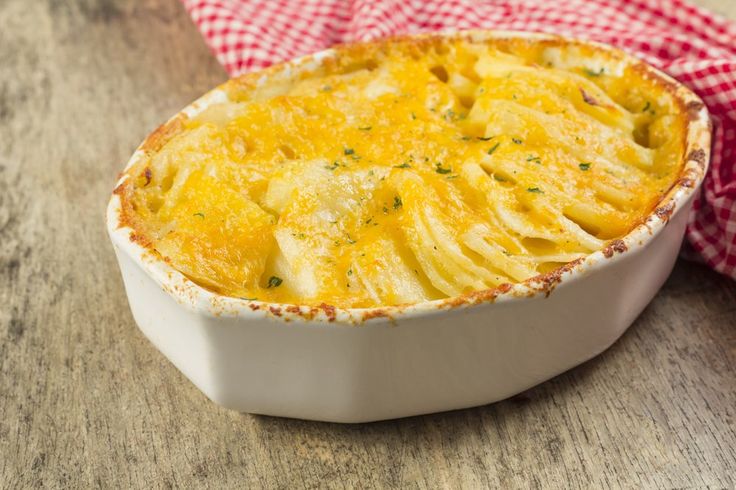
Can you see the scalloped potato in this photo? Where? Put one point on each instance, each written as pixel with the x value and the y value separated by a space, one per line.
pixel 408 170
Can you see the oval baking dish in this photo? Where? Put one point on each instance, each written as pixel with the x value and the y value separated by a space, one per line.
pixel 363 364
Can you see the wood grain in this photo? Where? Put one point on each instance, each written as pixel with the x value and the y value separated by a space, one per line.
pixel 86 401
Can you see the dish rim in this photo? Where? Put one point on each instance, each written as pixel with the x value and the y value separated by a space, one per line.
pixel 201 300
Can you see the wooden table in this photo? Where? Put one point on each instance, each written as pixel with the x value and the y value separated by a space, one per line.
pixel 85 399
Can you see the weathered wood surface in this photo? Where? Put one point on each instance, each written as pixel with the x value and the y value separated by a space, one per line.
pixel 86 401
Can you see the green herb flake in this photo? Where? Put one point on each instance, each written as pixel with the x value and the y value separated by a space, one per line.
pixel 413 116
pixel 517 141
pixel 532 158
pixel 498 178
pixel 248 299
pixel 365 128
pixel 397 202
pixel 592 73
pixel 349 151
pixel 584 165
pixel 465 138
pixel 646 107
pixel 274 282
pixel 201 215
pixel 482 138
pixel 350 272
pixel 403 165
pixel 441 170
pixel 535 190
pixel 493 148
pixel 350 240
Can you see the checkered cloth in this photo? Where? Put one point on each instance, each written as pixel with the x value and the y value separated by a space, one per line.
pixel 693 45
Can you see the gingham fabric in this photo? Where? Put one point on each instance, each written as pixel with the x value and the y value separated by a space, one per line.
pixel 693 45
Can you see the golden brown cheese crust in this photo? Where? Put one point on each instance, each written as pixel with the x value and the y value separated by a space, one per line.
pixel 470 264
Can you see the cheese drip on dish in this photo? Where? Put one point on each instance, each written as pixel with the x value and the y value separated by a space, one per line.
pixel 409 173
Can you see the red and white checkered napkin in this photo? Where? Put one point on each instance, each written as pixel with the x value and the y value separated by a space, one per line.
pixel 691 44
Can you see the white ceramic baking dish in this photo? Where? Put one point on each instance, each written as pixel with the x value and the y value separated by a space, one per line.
pixel 357 365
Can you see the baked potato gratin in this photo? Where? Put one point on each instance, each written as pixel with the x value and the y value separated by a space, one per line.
pixel 407 170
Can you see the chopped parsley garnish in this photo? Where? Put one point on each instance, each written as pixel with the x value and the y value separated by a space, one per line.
pixel 485 139
pixel 349 240
pixel 249 299
pixel 584 165
pixel 274 282
pixel 349 151
pixel 350 272
pixel 648 108
pixel 441 170
pixel 403 165
pixel 517 141
pixel 592 73
pixel 365 128
pixel 413 116
pixel 397 202
pixel 498 178
pixel 201 215
pixel 465 138
pixel 493 148
pixel 334 165
pixel 532 158
pixel 535 190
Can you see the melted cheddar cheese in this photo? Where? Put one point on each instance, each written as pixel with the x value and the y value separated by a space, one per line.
pixel 409 171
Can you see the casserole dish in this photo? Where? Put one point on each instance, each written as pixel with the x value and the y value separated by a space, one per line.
pixel 322 362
